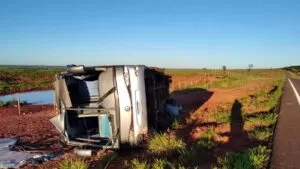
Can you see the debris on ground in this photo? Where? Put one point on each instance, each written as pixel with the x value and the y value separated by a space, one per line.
pixel 11 159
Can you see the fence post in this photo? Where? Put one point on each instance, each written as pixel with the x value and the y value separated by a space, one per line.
pixel 54 102
pixel 19 105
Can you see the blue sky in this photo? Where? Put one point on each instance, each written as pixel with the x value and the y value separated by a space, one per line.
pixel 165 33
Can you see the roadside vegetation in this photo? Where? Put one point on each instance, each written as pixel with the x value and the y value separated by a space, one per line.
pixel 11 103
pixel 20 79
pixel 163 143
pixel 251 158
pixel 73 164
pixel 221 79
pixel 230 135
pixel 293 71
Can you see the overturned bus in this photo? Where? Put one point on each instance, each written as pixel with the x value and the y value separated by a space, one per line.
pixel 106 106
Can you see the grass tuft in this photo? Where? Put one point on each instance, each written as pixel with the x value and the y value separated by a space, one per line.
pixel 162 143
pixel 136 164
pixel 159 164
pixel 206 141
pixel 265 119
pixel 222 117
pixel 253 158
pixel 73 164
pixel 190 156
pixel 261 134
pixel 177 124
pixel 156 164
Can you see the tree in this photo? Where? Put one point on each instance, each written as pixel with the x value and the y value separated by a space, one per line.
pixel 250 66
pixel 224 67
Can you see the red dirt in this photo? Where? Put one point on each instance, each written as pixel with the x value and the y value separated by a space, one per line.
pixel 37 134
pixel 34 129
pixel 222 96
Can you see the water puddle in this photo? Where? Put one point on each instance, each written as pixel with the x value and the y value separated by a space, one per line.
pixel 35 97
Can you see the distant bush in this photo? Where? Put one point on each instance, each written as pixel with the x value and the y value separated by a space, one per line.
pixel 1 103
pixel 11 103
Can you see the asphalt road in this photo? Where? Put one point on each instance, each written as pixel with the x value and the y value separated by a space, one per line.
pixel 286 146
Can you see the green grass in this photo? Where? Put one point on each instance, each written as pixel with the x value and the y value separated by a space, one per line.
pixel 11 102
pixel 73 164
pixel 155 164
pixel 294 75
pixel 261 134
pixel 211 72
pixel 159 164
pixel 182 167
pixel 165 144
pixel 18 79
pixel 162 143
pixel 190 156
pixel 205 144
pixel 177 124
pixel 222 79
pixel 221 117
pixel 206 141
pixel 254 158
pixel 137 164
pixel 209 134
pixel 261 127
pixel 232 81
pixel 294 71
pixel 265 119
pixel 271 98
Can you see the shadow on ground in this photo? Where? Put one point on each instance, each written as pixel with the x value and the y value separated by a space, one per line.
pixel 238 139
pixel 206 156
pixel 191 99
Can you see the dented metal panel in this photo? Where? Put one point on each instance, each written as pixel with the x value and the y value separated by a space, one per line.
pixel 125 105
pixel 115 114
pixel 139 106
